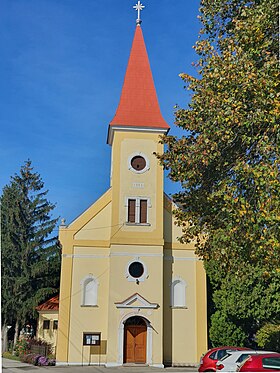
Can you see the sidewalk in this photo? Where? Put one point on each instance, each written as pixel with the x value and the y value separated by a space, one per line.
pixel 13 366
pixel 8 363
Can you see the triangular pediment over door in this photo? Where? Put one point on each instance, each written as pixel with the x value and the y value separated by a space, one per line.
pixel 136 301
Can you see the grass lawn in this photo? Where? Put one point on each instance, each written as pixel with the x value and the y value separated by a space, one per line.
pixel 8 355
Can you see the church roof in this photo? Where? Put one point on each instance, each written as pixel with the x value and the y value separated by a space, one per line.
pixel 50 305
pixel 138 106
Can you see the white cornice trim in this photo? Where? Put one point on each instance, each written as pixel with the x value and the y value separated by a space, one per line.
pixel 85 256
pixel 133 129
pixel 94 256
pixel 133 255
pixel 137 254
pixel 137 307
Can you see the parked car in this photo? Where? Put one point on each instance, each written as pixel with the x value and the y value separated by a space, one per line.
pixel 232 359
pixel 261 363
pixel 209 359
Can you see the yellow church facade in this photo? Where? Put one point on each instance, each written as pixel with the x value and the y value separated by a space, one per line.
pixel 130 293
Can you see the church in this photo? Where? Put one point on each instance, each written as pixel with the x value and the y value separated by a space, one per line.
pixel 130 293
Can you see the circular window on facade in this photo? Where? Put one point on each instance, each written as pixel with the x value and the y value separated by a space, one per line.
pixel 138 163
pixel 136 269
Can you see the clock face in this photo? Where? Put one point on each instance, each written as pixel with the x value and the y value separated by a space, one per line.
pixel 138 163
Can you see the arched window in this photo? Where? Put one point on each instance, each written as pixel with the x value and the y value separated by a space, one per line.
pixel 178 293
pixel 89 291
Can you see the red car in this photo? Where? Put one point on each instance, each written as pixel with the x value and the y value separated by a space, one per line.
pixel 261 363
pixel 208 360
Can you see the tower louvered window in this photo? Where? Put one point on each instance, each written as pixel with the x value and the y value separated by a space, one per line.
pixel 131 210
pixel 143 211
pixel 137 210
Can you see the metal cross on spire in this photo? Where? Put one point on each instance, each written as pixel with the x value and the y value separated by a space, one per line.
pixel 138 7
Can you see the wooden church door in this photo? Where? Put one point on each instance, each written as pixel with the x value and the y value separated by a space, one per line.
pixel 135 337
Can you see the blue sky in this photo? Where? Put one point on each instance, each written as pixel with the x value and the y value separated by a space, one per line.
pixel 62 68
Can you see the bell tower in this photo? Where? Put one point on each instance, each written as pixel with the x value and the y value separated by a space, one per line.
pixel 136 176
pixel 137 239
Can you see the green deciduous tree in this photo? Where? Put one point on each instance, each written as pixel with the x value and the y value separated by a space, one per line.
pixel 30 254
pixel 268 336
pixel 228 161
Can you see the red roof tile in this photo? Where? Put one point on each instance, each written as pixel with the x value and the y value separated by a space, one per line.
pixel 138 106
pixel 50 305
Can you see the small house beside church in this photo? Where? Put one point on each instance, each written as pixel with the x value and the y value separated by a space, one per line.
pixel 48 321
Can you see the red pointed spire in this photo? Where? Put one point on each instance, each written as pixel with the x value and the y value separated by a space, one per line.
pixel 138 106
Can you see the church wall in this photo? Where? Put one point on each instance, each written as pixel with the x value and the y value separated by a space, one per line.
pixel 167 221
pixel 183 324
pixel 184 319
pixel 95 262
pixel 142 185
pixel 64 298
pixel 121 256
pixel 130 242
pixel 126 183
pixel 171 230
pixel 121 288
pixel 98 228
pixel 180 321
pixel 201 305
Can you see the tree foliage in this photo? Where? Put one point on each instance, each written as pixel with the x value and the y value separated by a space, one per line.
pixel 268 337
pixel 30 257
pixel 225 332
pixel 228 161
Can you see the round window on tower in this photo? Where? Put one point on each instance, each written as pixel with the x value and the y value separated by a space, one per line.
pixel 136 269
pixel 138 163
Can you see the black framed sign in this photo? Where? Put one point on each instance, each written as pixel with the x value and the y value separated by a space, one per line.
pixel 91 339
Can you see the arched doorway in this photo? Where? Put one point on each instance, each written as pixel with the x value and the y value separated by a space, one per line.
pixel 135 340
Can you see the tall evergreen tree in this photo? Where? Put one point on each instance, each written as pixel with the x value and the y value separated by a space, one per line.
pixel 228 163
pixel 30 254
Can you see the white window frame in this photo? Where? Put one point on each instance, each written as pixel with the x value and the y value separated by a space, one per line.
pixel 146 168
pixel 136 279
pixel 181 301
pixel 137 209
pixel 86 280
